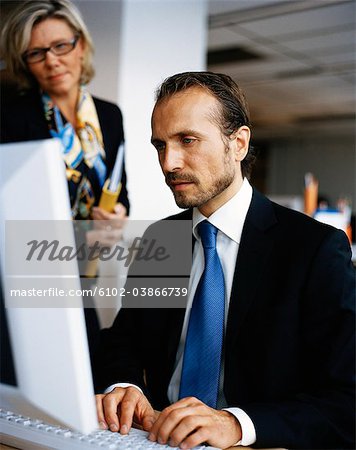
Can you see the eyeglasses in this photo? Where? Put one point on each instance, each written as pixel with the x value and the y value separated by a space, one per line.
pixel 59 49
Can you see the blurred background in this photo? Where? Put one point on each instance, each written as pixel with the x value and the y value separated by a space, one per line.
pixel 295 60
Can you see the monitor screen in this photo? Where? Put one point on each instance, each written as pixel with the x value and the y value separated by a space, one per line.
pixel 48 343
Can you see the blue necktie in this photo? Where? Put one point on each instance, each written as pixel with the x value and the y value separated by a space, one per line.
pixel 203 347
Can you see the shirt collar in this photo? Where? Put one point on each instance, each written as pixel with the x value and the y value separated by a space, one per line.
pixel 230 217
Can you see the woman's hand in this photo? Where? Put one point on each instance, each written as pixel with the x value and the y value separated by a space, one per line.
pixel 119 214
pixel 108 227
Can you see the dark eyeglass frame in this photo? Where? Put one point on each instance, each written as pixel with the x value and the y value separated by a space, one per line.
pixel 40 53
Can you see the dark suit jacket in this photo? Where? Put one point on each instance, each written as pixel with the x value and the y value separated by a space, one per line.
pixel 22 119
pixel 289 359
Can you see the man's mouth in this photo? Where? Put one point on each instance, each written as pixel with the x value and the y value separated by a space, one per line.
pixel 175 179
pixel 178 185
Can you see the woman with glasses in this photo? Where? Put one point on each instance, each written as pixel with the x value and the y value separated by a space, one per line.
pixel 48 51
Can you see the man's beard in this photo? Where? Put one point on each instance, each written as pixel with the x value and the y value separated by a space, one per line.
pixel 184 200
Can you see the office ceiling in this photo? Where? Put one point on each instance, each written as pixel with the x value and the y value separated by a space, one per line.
pixel 295 61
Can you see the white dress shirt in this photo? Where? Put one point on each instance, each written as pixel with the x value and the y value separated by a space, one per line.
pixel 229 219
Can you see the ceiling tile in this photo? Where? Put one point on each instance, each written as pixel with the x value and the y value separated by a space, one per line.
pixel 315 19
pixel 224 37
pixel 337 57
pixel 328 40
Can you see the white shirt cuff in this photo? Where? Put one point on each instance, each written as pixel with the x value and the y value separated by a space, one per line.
pixel 248 436
pixel 122 385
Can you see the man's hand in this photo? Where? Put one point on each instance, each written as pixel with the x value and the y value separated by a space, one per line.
pixel 122 406
pixel 189 422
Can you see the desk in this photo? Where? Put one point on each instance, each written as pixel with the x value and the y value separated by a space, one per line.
pixel 6 447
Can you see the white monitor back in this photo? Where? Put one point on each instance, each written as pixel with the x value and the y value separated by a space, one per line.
pixel 49 345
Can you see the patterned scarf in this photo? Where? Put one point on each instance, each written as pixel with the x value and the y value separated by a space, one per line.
pixel 83 152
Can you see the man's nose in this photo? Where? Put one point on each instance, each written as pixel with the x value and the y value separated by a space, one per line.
pixel 172 160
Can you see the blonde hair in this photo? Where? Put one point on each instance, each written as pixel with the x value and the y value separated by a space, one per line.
pixel 16 35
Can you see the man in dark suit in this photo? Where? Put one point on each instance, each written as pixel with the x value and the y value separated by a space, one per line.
pixel 286 359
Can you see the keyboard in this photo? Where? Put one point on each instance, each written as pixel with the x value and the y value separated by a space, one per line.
pixel 33 434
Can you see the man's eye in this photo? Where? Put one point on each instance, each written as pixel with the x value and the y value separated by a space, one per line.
pixel 160 147
pixel 188 140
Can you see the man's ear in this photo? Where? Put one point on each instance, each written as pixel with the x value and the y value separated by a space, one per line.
pixel 240 140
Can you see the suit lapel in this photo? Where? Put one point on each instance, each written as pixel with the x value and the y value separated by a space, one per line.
pixel 177 316
pixel 255 248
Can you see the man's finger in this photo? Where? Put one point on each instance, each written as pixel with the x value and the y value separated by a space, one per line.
pixel 100 412
pixel 167 421
pixel 148 420
pixel 110 405
pixel 128 406
pixel 196 438
pixel 179 405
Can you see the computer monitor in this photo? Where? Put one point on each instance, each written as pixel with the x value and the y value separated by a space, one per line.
pixel 49 344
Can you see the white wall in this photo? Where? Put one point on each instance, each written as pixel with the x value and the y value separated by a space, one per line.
pixel 103 18
pixel 139 43
pixel 159 38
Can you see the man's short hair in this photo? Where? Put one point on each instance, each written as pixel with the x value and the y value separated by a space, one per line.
pixel 233 112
